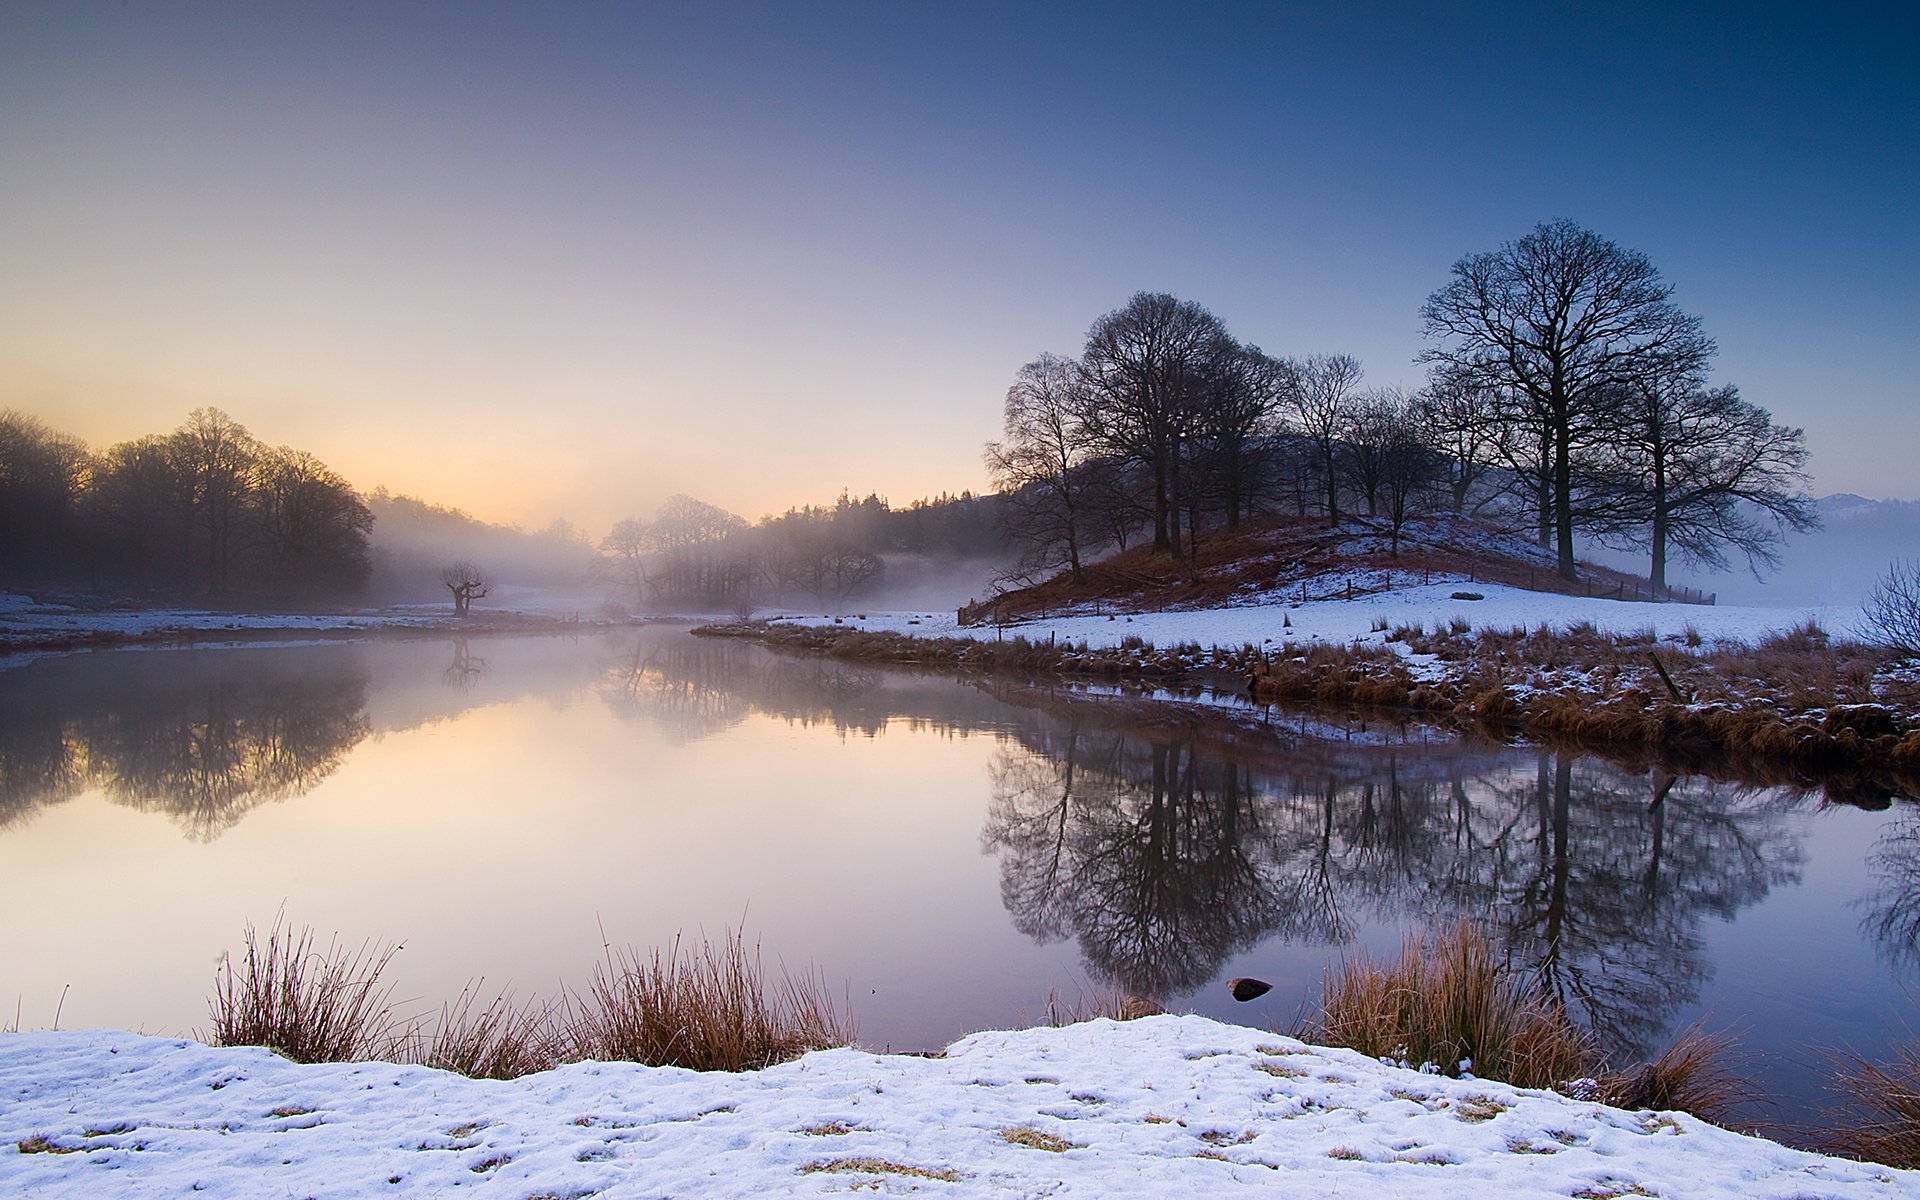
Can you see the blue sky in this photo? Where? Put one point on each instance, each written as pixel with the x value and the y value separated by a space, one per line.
pixel 565 260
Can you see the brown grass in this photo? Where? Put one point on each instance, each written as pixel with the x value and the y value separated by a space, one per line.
pixel 1695 1075
pixel 502 1039
pixel 1113 1005
pixel 708 1010
pixel 309 1005
pixel 1882 1102
pixel 1447 1000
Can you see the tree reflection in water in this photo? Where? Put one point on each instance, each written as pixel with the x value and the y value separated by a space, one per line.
pixel 203 738
pixel 1892 917
pixel 1163 854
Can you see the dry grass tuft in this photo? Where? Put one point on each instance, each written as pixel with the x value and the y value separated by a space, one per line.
pixel 501 1040
pixel 880 1166
pixel 1112 1005
pixel 1037 1139
pixel 1694 1075
pixel 1447 1001
pixel 1883 1105
pixel 310 1006
pixel 708 1010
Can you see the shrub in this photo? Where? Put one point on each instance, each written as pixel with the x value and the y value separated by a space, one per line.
pixel 309 1006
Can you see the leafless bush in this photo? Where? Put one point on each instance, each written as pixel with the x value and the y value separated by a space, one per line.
pixel 1893 609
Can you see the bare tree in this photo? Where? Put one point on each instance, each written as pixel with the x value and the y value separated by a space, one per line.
pixel 1708 472
pixel 1323 401
pixel 1564 318
pixel 1893 608
pixel 624 552
pixel 1248 390
pixel 1147 367
pixel 1461 420
pixel 1041 463
pixel 467 583
pixel 1406 466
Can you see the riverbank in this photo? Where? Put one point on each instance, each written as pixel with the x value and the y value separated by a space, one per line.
pixel 1771 695
pixel 1141 1108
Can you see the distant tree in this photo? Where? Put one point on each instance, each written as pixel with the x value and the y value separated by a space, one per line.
pixel 1148 367
pixel 467 583
pixel 314 526
pixel 689 537
pixel 1409 468
pixel 1706 472
pixel 1323 401
pixel 1041 463
pixel 1566 319
pixel 42 476
pixel 624 551
pixel 214 461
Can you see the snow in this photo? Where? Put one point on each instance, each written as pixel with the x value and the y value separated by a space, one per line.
pixel 1162 1106
pixel 1344 621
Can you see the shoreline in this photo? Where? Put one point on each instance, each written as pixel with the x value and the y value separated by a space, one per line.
pixel 1654 709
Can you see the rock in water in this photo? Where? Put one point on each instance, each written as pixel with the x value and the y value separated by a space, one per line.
pixel 1248 989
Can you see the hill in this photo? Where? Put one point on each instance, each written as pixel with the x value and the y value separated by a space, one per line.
pixel 1301 560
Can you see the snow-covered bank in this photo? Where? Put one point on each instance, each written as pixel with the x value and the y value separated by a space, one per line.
pixel 1343 621
pixel 1162 1106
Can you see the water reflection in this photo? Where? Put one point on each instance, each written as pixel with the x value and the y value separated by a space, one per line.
pixel 1163 853
pixel 203 738
pixel 1160 843
pixel 1892 917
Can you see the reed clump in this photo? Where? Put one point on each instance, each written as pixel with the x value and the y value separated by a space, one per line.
pixel 705 1008
pixel 1449 1002
pixel 1114 1005
pixel 1882 1106
pixel 1693 1075
pixel 307 1004
pixel 702 1006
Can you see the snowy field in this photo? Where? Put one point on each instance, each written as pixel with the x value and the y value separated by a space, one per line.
pixel 1153 1108
pixel 1346 621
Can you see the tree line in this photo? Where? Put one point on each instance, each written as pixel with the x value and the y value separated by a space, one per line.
pixel 1566 394
pixel 693 551
pixel 207 511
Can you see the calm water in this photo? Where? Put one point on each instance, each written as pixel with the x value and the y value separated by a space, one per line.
pixel 947 851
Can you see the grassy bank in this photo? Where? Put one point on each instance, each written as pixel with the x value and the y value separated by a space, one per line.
pixel 1798 707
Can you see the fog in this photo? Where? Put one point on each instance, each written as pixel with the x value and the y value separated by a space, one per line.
pixel 1837 564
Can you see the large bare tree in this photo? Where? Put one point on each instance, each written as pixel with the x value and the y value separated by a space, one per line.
pixel 1148 368
pixel 1565 319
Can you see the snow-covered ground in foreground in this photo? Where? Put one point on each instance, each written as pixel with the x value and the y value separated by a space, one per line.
pixel 1346 620
pixel 1152 1108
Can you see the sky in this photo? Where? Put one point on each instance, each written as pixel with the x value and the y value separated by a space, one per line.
pixel 565 260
